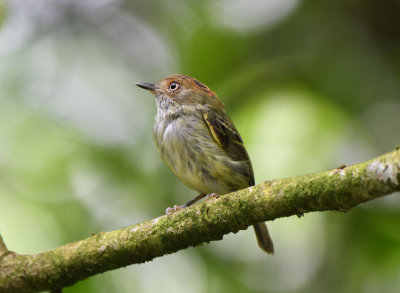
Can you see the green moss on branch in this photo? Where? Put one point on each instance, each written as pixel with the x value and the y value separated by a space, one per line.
pixel 338 189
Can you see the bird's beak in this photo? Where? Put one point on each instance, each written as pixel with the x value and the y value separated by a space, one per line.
pixel 147 86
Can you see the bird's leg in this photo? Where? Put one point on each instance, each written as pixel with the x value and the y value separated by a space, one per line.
pixel 189 203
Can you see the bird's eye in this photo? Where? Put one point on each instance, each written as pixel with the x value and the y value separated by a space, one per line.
pixel 174 86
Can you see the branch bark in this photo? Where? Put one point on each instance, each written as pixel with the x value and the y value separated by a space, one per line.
pixel 3 247
pixel 338 189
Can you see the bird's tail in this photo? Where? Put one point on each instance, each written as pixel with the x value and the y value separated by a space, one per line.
pixel 263 238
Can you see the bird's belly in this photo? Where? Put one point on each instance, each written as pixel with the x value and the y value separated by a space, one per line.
pixel 197 160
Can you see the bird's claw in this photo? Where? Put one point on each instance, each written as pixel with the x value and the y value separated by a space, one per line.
pixel 200 196
pixel 174 209
pixel 212 195
pixel 339 169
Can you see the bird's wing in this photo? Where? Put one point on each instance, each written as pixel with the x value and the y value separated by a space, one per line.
pixel 228 138
pixel 226 135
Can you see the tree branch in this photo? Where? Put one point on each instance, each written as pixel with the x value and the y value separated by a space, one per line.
pixel 338 189
pixel 3 247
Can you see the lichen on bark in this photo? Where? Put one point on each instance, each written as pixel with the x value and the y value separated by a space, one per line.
pixel 338 189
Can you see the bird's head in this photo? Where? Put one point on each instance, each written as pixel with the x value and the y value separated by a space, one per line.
pixel 183 90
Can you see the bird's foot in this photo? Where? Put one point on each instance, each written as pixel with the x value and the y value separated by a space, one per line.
pixel 189 203
pixel 339 169
pixel 212 195
pixel 174 209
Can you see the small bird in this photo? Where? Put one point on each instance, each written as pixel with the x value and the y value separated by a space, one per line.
pixel 199 143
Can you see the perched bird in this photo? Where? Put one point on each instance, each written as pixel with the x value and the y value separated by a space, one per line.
pixel 198 141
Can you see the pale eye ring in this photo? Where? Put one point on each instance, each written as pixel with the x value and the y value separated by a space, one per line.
pixel 173 86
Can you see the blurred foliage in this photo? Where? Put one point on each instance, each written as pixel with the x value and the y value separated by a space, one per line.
pixel 1 12
pixel 310 85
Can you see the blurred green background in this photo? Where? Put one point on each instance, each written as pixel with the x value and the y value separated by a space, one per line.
pixel 310 85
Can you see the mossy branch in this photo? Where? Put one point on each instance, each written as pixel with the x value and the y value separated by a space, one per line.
pixel 339 189
pixel 3 247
